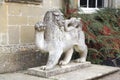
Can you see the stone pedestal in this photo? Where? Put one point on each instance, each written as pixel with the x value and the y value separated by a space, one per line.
pixel 57 70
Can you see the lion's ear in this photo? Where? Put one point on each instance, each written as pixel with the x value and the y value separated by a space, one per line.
pixel 61 14
pixel 56 13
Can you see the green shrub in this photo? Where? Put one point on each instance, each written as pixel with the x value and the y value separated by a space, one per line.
pixel 102 34
pixel 102 30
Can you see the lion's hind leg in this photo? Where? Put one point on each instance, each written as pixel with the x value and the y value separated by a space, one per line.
pixel 67 57
pixel 82 50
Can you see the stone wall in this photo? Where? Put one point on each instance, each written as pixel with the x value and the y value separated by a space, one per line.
pixel 17 33
pixel 17 21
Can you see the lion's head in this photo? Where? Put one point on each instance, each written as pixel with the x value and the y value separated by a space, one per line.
pixel 55 16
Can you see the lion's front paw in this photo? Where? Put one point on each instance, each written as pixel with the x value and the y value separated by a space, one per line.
pixel 62 62
pixel 45 67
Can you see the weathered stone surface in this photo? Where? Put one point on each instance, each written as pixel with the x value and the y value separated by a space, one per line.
pixel 3 18
pixel 3 40
pixel 19 15
pixel 17 20
pixel 114 76
pixel 14 38
pixel 33 20
pixel 13 35
pixel 57 35
pixel 14 9
pixel 27 34
pixel 89 73
pixel 32 11
pixel 22 60
pixel 19 76
pixel 55 5
pixel 58 69
pixel 16 48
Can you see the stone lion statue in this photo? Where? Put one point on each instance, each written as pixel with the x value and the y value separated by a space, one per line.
pixel 54 36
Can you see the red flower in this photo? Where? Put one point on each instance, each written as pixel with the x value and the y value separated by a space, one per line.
pixel 94 56
pixel 70 11
pixel 85 29
pixel 91 35
pixel 106 30
pixel 84 26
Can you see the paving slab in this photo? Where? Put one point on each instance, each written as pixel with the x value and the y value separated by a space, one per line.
pixel 88 73
pixel 114 76
pixel 19 76
pixel 57 69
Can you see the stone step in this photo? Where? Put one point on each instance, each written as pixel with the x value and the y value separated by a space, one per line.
pixel 88 73
pixel 74 71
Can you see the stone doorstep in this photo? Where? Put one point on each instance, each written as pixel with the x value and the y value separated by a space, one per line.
pixel 36 71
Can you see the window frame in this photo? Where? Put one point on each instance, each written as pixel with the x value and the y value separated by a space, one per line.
pixel 88 9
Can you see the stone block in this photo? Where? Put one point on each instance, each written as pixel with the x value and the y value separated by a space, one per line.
pixel 27 34
pixel 14 9
pixel 32 11
pixel 48 3
pixel 13 35
pixel 33 20
pixel 57 70
pixel 56 4
pixel 94 72
pixel 10 62
pixel 3 18
pixel 3 38
pixel 17 20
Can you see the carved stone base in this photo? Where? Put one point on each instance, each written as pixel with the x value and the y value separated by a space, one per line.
pixel 57 70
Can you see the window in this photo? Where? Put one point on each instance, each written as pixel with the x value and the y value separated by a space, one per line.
pixel 91 3
pixel 90 6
